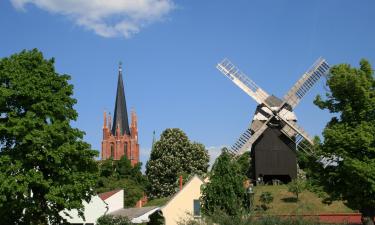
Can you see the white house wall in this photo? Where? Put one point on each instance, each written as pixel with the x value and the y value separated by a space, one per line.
pixel 115 202
pixel 93 210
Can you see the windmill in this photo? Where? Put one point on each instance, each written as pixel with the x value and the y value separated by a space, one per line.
pixel 273 134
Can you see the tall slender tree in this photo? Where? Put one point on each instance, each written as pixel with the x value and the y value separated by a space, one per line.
pixel 45 166
pixel 349 138
pixel 172 156
pixel 225 191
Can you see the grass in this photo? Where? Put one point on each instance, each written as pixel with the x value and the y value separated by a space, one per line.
pixel 157 201
pixel 284 202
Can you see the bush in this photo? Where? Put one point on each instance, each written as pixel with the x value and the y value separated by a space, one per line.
pixel 266 198
pixel 296 187
pixel 113 220
pixel 246 219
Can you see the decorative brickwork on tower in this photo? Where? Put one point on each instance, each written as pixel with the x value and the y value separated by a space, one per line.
pixel 118 138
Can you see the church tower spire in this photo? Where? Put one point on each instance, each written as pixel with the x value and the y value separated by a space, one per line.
pixel 120 118
pixel 119 137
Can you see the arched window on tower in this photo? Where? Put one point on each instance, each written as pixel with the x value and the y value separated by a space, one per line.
pixel 112 151
pixel 126 150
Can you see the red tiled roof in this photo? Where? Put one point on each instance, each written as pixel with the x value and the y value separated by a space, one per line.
pixel 108 194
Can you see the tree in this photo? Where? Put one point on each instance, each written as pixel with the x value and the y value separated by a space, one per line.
pixel 173 156
pixel 115 174
pixel 225 191
pixel 266 198
pixel 244 161
pixel 297 186
pixel 349 137
pixel 45 166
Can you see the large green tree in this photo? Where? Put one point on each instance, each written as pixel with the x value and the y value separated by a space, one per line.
pixel 45 166
pixel 349 138
pixel 174 155
pixel 225 191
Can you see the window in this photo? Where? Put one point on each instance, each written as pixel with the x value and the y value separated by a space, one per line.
pixel 126 149
pixel 197 208
pixel 112 152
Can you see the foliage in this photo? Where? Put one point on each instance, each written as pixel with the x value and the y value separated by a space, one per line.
pixel 174 155
pixel 156 219
pixel 349 137
pixel 266 198
pixel 244 161
pixel 247 219
pixel 115 174
pixel 297 186
pixel 157 201
pixel 113 220
pixel 225 190
pixel 45 166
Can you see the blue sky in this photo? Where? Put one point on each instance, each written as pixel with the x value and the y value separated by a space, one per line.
pixel 170 48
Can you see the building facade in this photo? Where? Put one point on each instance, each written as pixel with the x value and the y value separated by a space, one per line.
pixel 119 138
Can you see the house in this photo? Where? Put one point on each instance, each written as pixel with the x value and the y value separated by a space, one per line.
pixel 184 204
pixel 93 210
pixel 114 199
pixel 99 205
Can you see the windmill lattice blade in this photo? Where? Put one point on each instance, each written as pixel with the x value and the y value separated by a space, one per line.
pixel 246 140
pixel 307 81
pixel 242 81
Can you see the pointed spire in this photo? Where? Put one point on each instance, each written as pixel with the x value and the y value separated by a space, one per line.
pixel 105 120
pixel 120 117
pixel 134 119
pixel 109 121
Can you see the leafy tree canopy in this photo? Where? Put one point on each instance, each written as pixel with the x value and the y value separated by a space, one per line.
pixel 349 138
pixel 45 166
pixel 172 156
pixel 225 191
pixel 244 161
pixel 115 174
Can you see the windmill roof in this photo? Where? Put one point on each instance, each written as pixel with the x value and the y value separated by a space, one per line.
pixel 273 101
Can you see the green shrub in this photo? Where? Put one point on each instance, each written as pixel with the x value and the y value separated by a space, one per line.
pixel 247 219
pixel 297 186
pixel 266 198
pixel 113 220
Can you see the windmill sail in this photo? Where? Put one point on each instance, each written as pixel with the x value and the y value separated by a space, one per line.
pixel 307 81
pixel 247 139
pixel 242 81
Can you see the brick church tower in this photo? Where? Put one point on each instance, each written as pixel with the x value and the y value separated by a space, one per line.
pixel 118 138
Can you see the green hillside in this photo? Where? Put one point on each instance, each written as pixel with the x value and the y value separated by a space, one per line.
pixel 309 203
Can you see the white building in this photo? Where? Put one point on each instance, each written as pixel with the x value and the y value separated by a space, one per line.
pixel 93 210
pixel 99 205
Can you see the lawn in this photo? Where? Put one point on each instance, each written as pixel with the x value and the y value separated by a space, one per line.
pixel 284 202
